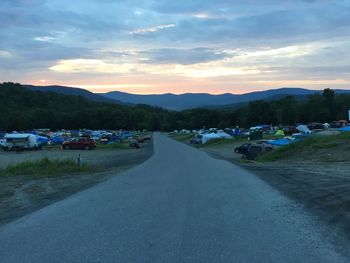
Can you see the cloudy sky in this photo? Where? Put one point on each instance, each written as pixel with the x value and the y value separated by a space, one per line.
pixel 177 46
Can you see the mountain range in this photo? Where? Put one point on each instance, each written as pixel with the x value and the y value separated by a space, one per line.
pixel 73 91
pixel 182 101
pixel 195 100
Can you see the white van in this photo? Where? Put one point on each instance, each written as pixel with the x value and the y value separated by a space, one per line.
pixel 20 141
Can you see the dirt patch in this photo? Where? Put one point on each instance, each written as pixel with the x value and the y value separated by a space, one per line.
pixel 323 187
pixel 20 195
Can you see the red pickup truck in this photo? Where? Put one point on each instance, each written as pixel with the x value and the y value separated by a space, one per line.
pixel 79 143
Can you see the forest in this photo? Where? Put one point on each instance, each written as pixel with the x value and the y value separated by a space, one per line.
pixel 22 109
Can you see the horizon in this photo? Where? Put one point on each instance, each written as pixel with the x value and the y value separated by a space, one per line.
pixel 158 47
pixel 169 93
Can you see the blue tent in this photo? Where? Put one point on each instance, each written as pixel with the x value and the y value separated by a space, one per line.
pixel 42 139
pixel 57 140
pixel 280 142
pixel 346 128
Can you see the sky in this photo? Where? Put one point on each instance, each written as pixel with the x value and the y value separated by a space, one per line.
pixel 176 46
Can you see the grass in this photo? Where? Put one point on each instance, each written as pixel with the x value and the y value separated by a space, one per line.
pixel 45 168
pixel 110 146
pixel 182 137
pixel 309 144
pixel 219 141
pixel 113 146
pixel 52 147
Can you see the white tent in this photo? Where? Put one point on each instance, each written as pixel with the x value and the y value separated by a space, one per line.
pixel 223 134
pixel 209 136
pixel 303 129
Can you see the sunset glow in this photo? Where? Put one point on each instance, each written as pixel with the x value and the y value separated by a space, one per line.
pixel 176 46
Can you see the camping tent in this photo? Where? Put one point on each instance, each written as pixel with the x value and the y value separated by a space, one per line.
pixel 209 136
pixel 279 133
pixel 223 134
pixel 57 140
pixel 279 142
pixel 42 139
pixel 303 129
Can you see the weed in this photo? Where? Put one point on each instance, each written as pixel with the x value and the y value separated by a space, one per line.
pixel 111 146
pixel 45 168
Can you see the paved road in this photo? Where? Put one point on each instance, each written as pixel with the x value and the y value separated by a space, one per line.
pixel 180 206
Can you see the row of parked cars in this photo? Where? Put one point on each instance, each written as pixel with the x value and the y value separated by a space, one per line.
pixel 27 141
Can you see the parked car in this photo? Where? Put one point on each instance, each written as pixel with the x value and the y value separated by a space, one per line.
pixel 79 143
pixel 106 138
pixel 133 143
pixel 243 148
pixel 197 139
pixel 255 150
pixel 252 151
pixel 2 144
pixel 139 139
pixel 315 126
pixel 147 137
pixel 339 124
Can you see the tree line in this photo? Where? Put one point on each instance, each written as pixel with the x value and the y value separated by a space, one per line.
pixel 24 109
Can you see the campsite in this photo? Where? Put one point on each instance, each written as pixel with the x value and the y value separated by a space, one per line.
pixel 175 131
pixel 312 169
pixel 29 179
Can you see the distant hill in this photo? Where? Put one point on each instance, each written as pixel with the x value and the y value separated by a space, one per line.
pixel 182 101
pixel 73 91
pixel 23 109
pixel 195 100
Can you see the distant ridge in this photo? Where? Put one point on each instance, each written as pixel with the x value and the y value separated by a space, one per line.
pixel 73 91
pixel 195 100
pixel 183 101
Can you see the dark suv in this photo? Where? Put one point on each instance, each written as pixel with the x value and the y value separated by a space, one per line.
pixel 252 151
pixel 79 143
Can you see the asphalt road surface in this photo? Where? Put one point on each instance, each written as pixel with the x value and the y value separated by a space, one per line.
pixel 179 206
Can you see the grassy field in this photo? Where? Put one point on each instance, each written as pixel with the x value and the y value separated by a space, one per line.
pixel 221 141
pixel 182 137
pixel 116 145
pixel 326 145
pixel 111 146
pixel 45 168
pixel 317 148
pixel 49 175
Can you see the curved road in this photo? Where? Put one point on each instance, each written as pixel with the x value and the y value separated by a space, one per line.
pixel 179 206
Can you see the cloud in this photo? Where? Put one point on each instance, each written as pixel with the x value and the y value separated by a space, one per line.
pixel 5 54
pixel 151 29
pixel 44 39
pixel 200 70
pixel 182 56
pixel 90 66
pixel 240 41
